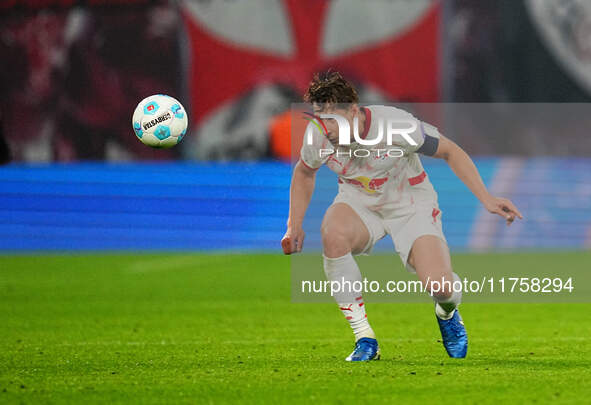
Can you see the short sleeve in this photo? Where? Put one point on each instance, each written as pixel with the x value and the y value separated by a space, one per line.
pixel 316 151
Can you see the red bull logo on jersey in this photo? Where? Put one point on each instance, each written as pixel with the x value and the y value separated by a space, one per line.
pixel 370 186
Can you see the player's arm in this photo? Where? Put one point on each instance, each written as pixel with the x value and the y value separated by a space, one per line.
pixel 463 166
pixel 302 187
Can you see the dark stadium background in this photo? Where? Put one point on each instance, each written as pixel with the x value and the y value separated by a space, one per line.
pixel 76 73
pixel 77 181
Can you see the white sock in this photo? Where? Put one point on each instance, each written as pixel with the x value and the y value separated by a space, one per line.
pixel 341 269
pixel 445 308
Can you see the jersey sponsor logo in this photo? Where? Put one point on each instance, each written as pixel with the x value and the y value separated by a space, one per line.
pixel 370 186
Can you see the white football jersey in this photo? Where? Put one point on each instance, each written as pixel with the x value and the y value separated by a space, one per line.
pixel 377 176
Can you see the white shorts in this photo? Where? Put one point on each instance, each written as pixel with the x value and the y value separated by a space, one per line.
pixel 404 230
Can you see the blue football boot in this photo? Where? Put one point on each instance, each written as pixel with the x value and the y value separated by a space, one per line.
pixel 455 338
pixel 365 349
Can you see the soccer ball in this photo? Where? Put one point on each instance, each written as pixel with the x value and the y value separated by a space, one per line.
pixel 160 121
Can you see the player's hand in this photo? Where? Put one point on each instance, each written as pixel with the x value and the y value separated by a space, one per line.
pixel 504 208
pixel 293 240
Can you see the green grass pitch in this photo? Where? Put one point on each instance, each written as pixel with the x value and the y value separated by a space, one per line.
pixel 222 329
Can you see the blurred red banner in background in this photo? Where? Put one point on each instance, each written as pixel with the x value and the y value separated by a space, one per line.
pixel 266 53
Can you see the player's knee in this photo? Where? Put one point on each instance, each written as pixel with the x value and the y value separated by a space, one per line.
pixel 335 241
pixel 441 288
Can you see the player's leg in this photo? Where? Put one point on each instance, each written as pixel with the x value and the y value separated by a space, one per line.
pixel 344 233
pixel 429 256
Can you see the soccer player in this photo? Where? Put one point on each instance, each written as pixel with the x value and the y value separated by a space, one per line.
pixel 381 193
